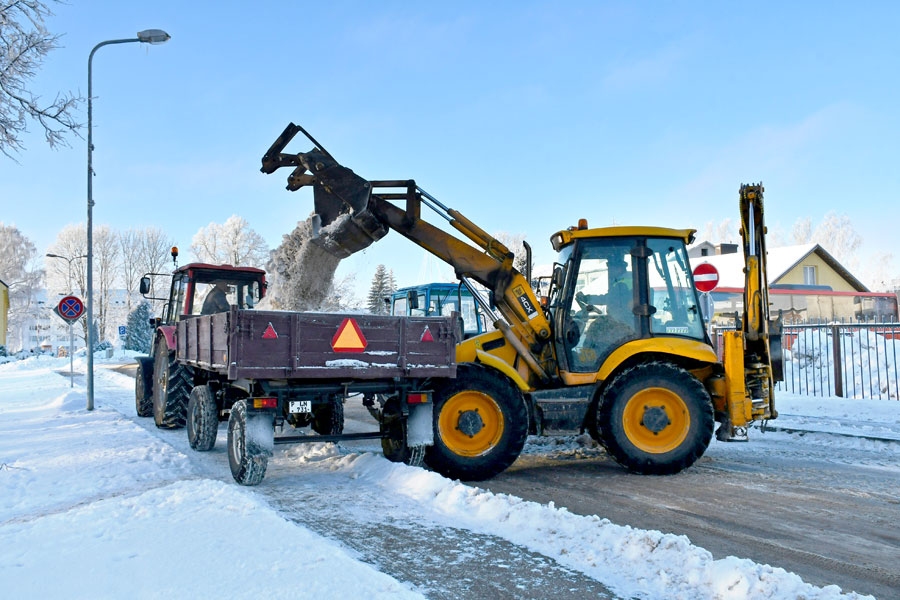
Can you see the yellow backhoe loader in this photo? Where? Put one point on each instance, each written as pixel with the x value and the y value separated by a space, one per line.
pixel 617 347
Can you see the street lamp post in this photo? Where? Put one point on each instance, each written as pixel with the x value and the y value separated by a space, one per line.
pixel 148 36
pixel 69 260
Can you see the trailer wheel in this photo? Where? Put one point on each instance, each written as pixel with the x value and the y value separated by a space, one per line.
pixel 328 419
pixel 655 419
pixel 143 387
pixel 172 383
pixel 480 424
pixel 251 436
pixel 393 445
pixel 202 419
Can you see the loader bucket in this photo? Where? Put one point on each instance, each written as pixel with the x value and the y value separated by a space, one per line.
pixel 342 222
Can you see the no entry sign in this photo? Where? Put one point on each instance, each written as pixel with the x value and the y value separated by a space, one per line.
pixel 706 277
pixel 70 308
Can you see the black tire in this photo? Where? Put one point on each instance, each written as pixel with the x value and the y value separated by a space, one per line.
pixel 248 447
pixel 172 383
pixel 394 446
pixel 329 419
pixel 655 419
pixel 143 387
pixel 480 424
pixel 202 419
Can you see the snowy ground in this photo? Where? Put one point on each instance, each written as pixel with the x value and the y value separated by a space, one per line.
pixel 98 505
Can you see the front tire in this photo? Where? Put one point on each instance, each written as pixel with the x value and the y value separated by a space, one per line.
pixel 143 387
pixel 251 436
pixel 480 424
pixel 202 419
pixel 172 385
pixel 655 419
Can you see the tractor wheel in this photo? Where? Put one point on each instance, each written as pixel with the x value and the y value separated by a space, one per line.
pixel 394 446
pixel 172 383
pixel 250 440
pixel 328 419
pixel 480 424
pixel 655 419
pixel 202 419
pixel 143 387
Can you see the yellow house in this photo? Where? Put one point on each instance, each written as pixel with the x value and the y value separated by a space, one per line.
pixel 4 311
pixel 806 283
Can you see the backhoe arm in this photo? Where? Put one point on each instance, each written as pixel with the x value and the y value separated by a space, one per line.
pixel 350 213
pixel 752 356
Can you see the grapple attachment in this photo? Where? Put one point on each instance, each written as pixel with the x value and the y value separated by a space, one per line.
pixel 342 222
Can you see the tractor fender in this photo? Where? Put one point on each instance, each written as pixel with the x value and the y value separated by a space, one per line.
pixel 167 332
pixel 679 349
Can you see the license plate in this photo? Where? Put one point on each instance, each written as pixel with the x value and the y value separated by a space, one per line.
pixel 300 406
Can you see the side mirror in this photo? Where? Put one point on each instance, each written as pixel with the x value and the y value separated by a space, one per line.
pixel 145 285
pixel 413 298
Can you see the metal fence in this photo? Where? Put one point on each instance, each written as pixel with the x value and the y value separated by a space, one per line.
pixel 863 364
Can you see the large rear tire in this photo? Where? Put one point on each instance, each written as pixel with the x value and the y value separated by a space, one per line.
pixel 172 383
pixel 143 387
pixel 655 419
pixel 202 419
pixel 250 440
pixel 480 424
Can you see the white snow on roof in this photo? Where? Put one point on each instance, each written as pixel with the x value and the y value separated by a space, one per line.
pixel 731 266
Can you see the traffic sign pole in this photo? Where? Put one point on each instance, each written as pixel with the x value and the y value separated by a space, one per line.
pixel 71 357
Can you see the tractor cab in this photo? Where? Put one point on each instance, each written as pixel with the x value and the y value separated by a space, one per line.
pixel 435 299
pixel 616 285
pixel 200 288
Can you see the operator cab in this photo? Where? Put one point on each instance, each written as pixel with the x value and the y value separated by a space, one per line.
pixel 615 285
pixel 436 299
pixel 200 288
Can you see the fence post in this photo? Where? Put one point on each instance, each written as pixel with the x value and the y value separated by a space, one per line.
pixel 838 363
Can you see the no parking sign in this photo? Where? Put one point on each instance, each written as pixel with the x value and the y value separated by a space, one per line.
pixel 70 308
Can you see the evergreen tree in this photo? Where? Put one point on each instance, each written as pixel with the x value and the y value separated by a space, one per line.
pixel 382 286
pixel 139 333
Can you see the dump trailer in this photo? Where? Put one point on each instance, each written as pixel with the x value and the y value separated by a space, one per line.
pixel 281 377
pixel 617 347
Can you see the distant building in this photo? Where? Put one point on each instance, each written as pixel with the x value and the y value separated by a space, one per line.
pixel 806 284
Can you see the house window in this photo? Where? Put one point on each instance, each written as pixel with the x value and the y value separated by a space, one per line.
pixel 809 275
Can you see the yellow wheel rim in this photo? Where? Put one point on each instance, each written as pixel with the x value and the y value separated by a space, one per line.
pixel 470 423
pixel 656 420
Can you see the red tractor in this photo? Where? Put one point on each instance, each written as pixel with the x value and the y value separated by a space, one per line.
pixel 163 386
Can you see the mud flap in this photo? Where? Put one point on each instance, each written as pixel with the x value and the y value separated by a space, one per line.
pixel 420 425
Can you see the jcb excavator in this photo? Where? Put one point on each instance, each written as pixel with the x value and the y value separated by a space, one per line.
pixel 617 347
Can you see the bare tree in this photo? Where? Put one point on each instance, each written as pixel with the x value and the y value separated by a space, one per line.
pixel 802 232
pixel 232 243
pixel 107 265
pixel 155 252
pixel 24 43
pixel 20 271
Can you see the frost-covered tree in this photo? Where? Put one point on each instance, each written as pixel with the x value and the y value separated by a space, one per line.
pixel 514 242
pixel 24 44
pixel 19 269
pixel 382 287
pixel 837 235
pixel 230 243
pixel 139 333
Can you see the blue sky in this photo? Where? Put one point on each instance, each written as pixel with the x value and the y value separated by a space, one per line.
pixel 525 116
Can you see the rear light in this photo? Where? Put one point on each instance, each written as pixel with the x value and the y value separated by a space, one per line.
pixel 417 398
pixel 265 402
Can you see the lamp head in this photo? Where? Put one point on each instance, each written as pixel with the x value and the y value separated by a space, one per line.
pixel 153 36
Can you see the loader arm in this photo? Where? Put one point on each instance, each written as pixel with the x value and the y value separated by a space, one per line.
pixel 350 213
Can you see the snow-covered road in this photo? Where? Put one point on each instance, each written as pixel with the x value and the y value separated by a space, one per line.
pixel 112 507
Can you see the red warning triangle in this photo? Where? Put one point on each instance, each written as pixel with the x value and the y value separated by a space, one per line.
pixel 269 333
pixel 426 335
pixel 348 338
